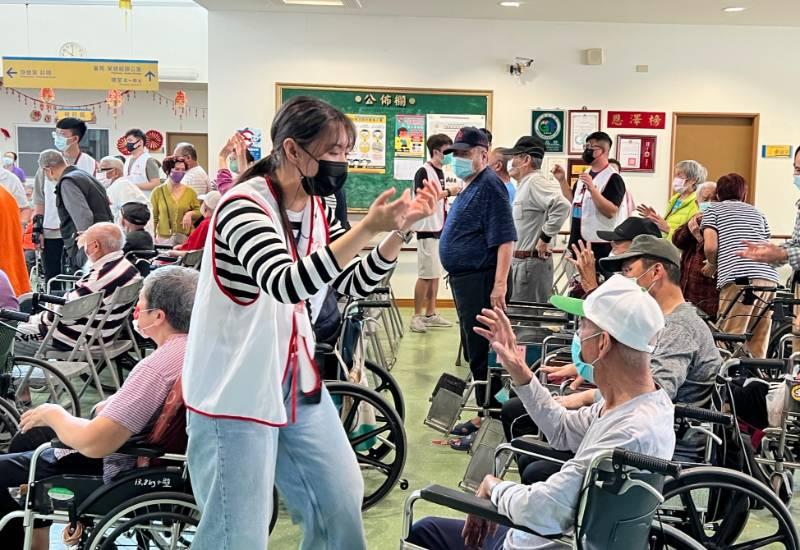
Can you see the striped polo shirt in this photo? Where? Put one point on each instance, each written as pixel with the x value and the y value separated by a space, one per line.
pixel 734 222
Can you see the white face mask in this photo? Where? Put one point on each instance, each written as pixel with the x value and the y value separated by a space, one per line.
pixel 103 179
pixel 509 165
pixel 678 185
pixel 142 331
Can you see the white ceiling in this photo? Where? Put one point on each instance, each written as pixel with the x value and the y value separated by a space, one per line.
pixel 705 12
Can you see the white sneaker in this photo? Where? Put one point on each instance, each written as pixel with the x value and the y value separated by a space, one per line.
pixel 437 320
pixel 418 324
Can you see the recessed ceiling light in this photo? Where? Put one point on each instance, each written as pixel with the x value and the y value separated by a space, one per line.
pixel 511 4
pixel 734 9
pixel 314 2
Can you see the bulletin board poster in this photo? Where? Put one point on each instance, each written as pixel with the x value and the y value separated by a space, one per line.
pixel 451 124
pixel 368 155
pixel 549 127
pixel 409 140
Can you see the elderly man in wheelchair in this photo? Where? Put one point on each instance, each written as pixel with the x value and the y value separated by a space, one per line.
pixel 618 324
pixel 67 475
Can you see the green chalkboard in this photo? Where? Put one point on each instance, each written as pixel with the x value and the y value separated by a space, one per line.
pixel 363 188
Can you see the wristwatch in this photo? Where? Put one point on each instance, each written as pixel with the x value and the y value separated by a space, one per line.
pixel 405 237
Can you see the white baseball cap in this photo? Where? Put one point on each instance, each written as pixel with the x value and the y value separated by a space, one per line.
pixel 211 199
pixel 622 308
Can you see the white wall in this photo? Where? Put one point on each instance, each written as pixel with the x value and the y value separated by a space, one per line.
pixel 692 68
pixel 175 36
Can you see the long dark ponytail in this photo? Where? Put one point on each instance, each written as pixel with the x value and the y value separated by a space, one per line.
pixel 304 119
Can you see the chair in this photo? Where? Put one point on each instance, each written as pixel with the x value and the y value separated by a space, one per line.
pixel 617 503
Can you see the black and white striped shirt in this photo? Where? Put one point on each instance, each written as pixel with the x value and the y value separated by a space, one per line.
pixel 734 222
pixel 110 272
pixel 251 256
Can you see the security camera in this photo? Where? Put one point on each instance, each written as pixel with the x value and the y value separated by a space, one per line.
pixel 519 65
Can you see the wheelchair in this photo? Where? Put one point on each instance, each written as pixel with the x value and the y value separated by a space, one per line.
pixel 618 502
pixel 145 507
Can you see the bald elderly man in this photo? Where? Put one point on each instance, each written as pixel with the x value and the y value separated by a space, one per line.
pixel 109 270
pixel 498 161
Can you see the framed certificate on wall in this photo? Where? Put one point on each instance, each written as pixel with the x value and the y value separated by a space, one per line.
pixel 581 124
pixel 636 153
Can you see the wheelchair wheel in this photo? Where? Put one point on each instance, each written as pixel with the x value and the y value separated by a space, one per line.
pixel 384 384
pixel 379 441
pixel 149 521
pixel 666 537
pixel 716 505
pixel 9 424
pixel 36 382
pixel 773 347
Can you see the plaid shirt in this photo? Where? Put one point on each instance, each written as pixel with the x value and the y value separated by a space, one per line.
pixel 697 288
pixel 792 246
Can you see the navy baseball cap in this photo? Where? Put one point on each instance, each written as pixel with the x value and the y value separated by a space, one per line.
pixel 467 138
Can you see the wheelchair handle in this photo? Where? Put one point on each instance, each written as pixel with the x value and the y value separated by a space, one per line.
pixel 645 462
pixel 766 363
pixel 49 299
pixel 381 290
pixel 363 304
pixel 11 315
pixel 704 415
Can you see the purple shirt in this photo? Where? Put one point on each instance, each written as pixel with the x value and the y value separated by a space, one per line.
pixel 20 173
pixel 8 300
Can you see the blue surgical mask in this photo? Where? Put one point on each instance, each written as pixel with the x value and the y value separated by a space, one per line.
pixel 462 167
pixel 447 159
pixel 703 206
pixel 233 165
pixel 585 370
pixel 8 161
pixel 797 181
pixel 60 142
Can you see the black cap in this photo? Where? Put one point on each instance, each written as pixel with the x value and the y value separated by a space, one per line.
pixel 467 138
pixel 526 145
pixel 630 229
pixel 136 213
pixel 644 245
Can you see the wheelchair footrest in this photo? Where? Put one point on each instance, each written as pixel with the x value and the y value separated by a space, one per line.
pixel 446 403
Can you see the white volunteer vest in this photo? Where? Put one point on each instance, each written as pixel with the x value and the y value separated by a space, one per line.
pixel 136 169
pixel 51 219
pixel 592 220
pixel 435 222
pixel 239 353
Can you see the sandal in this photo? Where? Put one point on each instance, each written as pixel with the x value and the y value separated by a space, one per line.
pixel 463 444
pixel 465 428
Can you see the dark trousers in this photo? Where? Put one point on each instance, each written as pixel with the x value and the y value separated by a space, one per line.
pixel 517 422
pixel 14 469
pixel 472 292
pixel 445 534
pixel 53 257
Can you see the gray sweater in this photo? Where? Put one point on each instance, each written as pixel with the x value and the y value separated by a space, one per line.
pixel 539 210
pixel 643 425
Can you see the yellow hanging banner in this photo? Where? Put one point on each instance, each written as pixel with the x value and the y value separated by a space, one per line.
pixel 85 115
pixel 80 74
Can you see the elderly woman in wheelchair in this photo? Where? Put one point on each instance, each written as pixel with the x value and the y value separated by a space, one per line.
pixel 618 323
pixel 165 306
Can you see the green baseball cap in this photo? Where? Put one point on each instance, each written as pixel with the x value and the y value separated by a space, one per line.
pixel 573 306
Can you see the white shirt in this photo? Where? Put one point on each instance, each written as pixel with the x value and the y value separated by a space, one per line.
pixel 123 191
pixel 197 179
pixel 12 183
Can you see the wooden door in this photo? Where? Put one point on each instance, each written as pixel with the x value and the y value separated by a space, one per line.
pixel 200 142
pixel 722 142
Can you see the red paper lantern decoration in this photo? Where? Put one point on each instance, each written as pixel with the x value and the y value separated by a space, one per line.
pixel 121 146
pixel 181 102
pixel 48 96
pixel 114 101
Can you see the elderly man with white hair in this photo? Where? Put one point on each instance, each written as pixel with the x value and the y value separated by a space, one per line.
pixel 109 270
pixel 80 199
pixel 683 204
pixel 697 288
pixel 120 189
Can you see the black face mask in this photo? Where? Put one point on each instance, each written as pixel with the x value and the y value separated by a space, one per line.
pixel 131 147
pixel 588 156
pixel 331 176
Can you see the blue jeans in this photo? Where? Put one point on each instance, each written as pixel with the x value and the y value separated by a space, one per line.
pixel 233 465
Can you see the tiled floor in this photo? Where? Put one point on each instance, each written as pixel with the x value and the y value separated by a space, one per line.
pixel 421 359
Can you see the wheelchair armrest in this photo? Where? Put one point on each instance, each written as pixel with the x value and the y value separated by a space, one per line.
pixel 365 304
pixel 381 290
pixel 471 504
pixel 142 254
pixel 49 299
pixel 704 415
pixel 56 443
pixel 541 449
pixel 726 337
pixel 132 447
pixel 12 315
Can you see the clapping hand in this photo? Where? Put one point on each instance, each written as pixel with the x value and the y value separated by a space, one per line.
pixel 501 337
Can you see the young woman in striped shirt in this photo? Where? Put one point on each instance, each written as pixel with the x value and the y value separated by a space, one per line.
pixel 258 412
